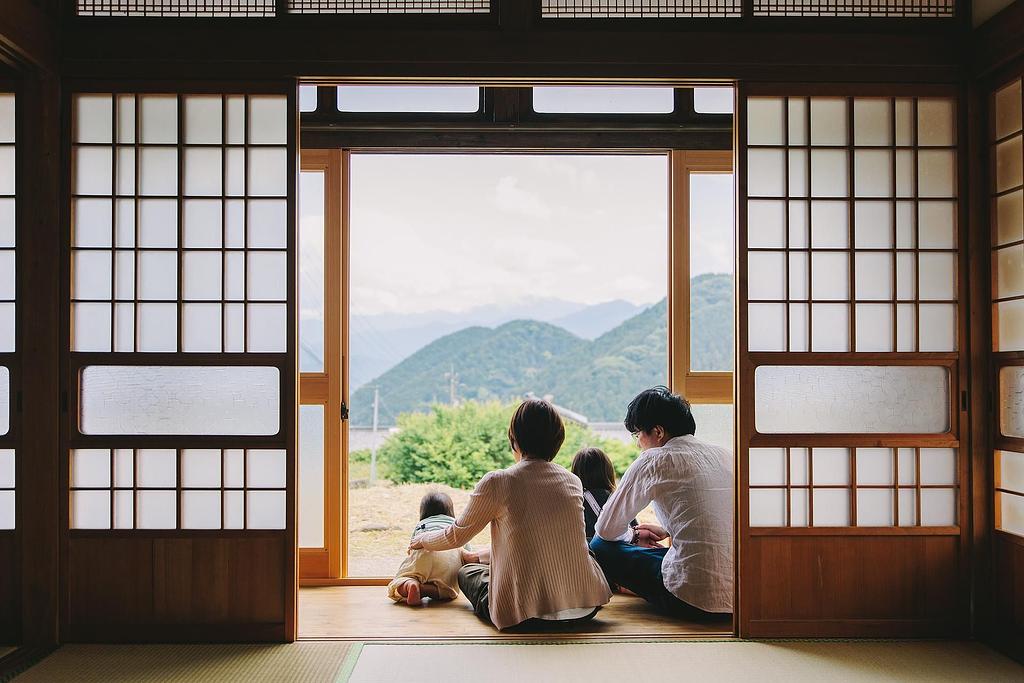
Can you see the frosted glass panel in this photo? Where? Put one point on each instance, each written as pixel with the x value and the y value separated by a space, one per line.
pixel 91 273
pixel 937 273
pixel 158 275
pixel 1011 401
pixel 799 466
pixel 908 507
pixel 830 275
pixel 180 400
pixel 267 327
pixel 157 327
pixel 5 400
pixel 124 509
pixel 874 276
pixel 938 225
pixel 234 468
pixel 268 223
pixel 90 327
pixel 202 275
pixel 851 399
pixel 124 467
pixel 1009 471
pixel 268 276
pixel 93 168
pixel 311 476
pixel 767 507
pixel 411 98
pixel 7 468
pixel 201 328
pixel 831 507
pixel 234 509
pixel 799 507
pixel 798 173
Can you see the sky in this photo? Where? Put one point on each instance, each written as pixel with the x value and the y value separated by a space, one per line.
pixel 454 232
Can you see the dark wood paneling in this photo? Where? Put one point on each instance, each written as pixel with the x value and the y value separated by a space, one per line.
pixel 269 49
pixel 877 586
pixel 27 35
pixel 10 588
pixel 153 585
pixel 1008 631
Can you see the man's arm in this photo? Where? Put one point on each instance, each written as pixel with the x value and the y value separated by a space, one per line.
pixel 631 496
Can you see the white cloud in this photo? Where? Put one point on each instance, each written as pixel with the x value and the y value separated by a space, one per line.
pixel 508 196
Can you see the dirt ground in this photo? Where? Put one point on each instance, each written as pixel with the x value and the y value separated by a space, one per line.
pixel 381 520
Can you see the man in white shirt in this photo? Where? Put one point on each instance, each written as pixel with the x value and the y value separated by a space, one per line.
pixel 689 483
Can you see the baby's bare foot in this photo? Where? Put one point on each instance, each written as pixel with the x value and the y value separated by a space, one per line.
pixel 412 592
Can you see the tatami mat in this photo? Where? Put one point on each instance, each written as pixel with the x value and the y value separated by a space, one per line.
pixel 314 662
pixel 849 662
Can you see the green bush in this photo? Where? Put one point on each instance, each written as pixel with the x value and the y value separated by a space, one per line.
pixel 458 445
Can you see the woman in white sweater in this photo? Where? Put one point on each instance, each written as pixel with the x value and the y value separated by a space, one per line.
pixel 540 566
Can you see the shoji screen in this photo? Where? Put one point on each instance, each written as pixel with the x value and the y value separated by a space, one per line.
pixel 181 369
pixel 849 402
pixel 1007 211
pixel 10 565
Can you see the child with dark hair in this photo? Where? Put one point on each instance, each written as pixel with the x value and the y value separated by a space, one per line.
pixel 426 573
pixel 597 474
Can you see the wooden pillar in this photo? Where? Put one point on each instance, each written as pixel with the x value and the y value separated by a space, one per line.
pixel 41 213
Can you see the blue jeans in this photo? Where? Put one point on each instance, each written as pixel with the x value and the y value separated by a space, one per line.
pixel 639 570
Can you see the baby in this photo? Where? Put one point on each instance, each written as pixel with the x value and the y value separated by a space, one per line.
pixel 425 573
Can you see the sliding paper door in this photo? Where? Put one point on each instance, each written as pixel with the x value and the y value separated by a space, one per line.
pixel 850 412
pixel 1007 211
pixel 180 370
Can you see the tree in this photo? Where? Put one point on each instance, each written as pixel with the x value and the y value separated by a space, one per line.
pixel 458 445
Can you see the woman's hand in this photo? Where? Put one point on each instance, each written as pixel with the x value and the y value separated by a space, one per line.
pixel 648 535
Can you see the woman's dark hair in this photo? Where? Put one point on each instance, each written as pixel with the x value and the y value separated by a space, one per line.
pixel 594 469
pixel 659 406
pixel 537 429
pixel 436 503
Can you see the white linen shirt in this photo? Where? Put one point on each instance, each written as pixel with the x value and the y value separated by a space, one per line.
pixel 689 483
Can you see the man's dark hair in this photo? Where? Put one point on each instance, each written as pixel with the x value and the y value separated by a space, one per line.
pixel 659 406
pixel 594 469
pixel 436 503
pixel 537 429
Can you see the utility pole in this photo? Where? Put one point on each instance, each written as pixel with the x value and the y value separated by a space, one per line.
pixel 373 450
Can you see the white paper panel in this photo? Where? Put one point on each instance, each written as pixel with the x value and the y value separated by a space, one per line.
pixel 1011 401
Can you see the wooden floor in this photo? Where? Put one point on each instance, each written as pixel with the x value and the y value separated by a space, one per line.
pixel 365 613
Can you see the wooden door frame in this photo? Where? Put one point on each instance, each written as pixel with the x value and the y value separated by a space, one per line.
pixel 328 387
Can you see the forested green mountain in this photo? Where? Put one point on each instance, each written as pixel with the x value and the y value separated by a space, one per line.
pixel 596 378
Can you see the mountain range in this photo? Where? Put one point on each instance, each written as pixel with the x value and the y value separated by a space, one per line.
pixel 594 375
